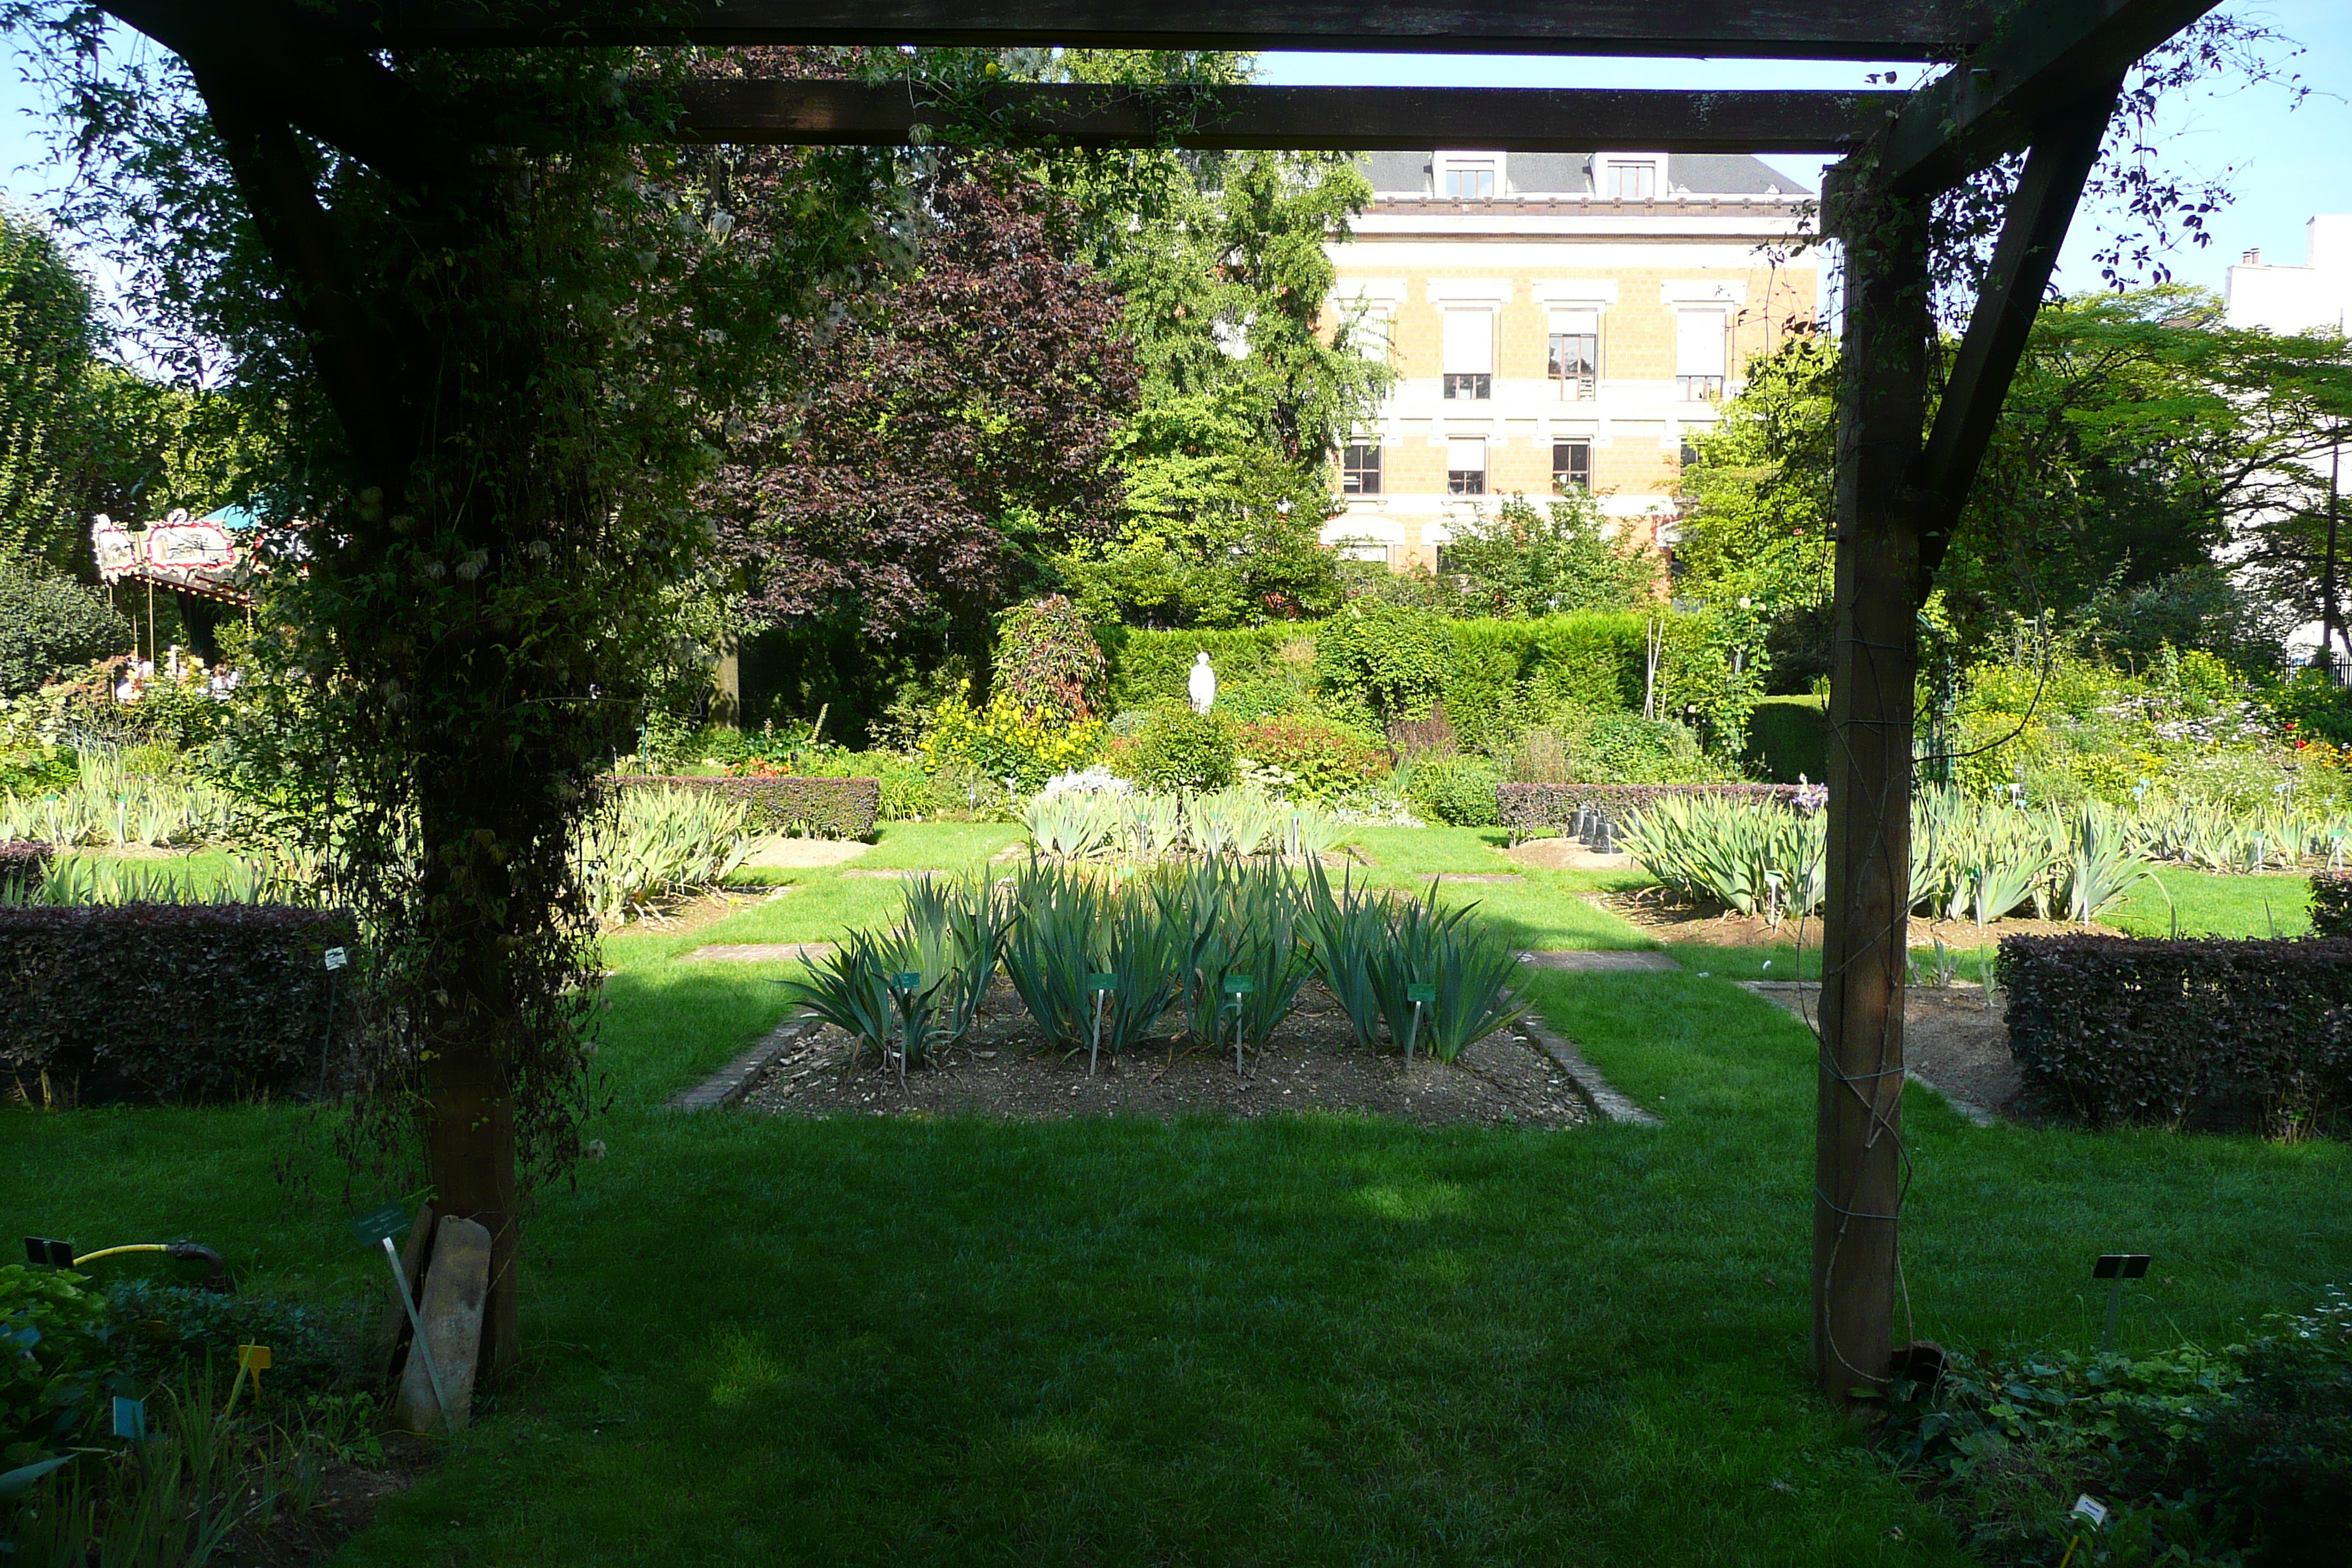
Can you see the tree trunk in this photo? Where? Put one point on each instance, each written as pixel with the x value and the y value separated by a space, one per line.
pixel 1857 1151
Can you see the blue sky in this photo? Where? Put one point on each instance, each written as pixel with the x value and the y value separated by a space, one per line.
pixel 2283 165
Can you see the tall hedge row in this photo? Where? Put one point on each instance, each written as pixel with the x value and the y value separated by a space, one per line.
pixel 176 1002
pixel 1598 658
pixel 825 807
pixel 2209 1033
pixel 1789 738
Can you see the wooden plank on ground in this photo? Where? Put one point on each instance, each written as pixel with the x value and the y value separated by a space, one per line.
pixel 457 1284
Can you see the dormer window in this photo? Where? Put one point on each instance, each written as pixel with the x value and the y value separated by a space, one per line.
pixel 1469 176
pixel 1470 181
pixel 1621 177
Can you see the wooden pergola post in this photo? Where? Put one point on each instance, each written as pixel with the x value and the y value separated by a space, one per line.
pixel 1857 1172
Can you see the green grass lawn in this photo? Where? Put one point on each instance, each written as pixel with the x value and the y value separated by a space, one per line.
pixel 1314 1340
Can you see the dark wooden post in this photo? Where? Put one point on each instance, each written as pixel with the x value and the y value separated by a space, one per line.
pixel 1857 1151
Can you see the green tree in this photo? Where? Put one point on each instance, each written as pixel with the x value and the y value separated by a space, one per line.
pixel 1222 266
pixel 1760 492
pixel 2143 440
pixel 48 624
pixel 1528 562
pixel 49 338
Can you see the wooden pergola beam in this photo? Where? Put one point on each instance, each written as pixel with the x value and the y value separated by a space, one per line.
pixel 2024 257
pixel 1350 118
pixel 2051 56
pixel 1788 29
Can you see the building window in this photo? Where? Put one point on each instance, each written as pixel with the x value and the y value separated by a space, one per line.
pixel 1470 181
pixel 1470 353
pixel 1571 466
pixel 1575 361
pixel 1465 466
pixel 1700 355
pixel 1360 468
pixel 1635 182
pixel 1369 335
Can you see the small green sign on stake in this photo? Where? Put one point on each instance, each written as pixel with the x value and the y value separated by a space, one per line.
pixel 382 1225
pixel 1420 995
pixel 130 1419
pixel 1099 986
pixel 377 1229
pixel 907 980
pixel 1236 987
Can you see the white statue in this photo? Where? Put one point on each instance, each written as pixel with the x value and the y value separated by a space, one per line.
pixel 1204 684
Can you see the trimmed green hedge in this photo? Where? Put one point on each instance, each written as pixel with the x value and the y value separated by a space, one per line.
pixel 2212 1034
pixel 104 1002
pixel 825 808
pixel 1153 667
pixel 1789 737
pixel 1598 659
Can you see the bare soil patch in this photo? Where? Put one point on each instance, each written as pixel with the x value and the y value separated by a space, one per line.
pixel 1950 1041
pixel 804 854
pixel 1567 855
pixel 1655 911
pixel 1005 1069
pixel 348 1498
pixel 681 916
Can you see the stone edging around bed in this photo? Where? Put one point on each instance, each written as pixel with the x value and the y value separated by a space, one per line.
pixel 1606 1102
pixel 731 1083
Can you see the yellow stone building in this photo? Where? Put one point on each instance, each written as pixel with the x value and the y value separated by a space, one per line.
pixel 1555 320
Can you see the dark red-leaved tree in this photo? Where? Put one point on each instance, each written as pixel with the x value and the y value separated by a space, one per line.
pixel 939 443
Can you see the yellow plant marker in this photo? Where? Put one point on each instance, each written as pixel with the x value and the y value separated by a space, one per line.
pixel 253 1360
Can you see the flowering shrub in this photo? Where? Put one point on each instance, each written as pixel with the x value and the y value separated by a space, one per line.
pixel 1323 760
pixel 1179 750
pixel 1005 740
pixel 1096 779
pixel 2069 730
pixel 1457 791
pixel 1047 659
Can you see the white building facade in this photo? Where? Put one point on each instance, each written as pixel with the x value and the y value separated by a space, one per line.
pixel 1556 320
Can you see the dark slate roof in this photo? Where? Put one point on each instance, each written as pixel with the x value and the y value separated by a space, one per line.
pixel 1571 174
pixel 1729 174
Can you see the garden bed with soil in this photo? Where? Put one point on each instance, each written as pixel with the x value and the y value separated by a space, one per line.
pixel 1658 913
pixel 1951 1042
pixel 1005 1069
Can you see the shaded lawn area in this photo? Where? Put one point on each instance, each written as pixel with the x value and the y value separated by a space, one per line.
pixel 1290 1340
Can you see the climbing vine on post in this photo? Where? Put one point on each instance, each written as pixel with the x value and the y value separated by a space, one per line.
pixel 492 341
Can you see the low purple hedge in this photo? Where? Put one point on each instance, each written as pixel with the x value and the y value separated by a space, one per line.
pixel 105 1002
pixel 1530 808
pixel 2213 1034
pixel 2331 903
pixel 24 862
pixel 825 808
